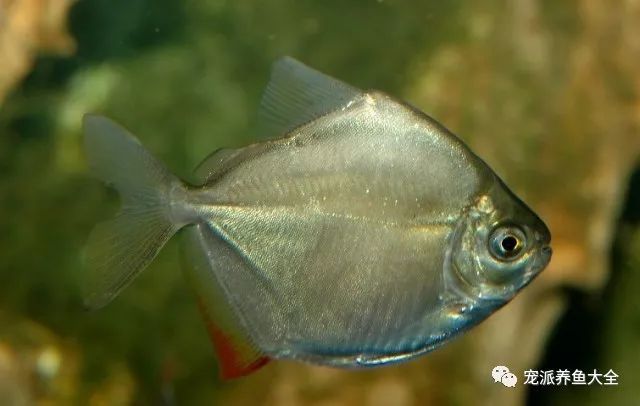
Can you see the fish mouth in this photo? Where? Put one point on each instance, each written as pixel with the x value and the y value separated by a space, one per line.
pixel 543 258
pixel 544 251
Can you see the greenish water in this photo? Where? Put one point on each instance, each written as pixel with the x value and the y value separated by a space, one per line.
pixel 186 78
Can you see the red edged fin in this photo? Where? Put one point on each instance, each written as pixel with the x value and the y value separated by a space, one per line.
pixel 237 353
pixel 236 357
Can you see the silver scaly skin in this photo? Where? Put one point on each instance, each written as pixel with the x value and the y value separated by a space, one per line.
pixel 367 234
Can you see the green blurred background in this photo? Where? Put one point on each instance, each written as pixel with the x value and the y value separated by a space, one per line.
pixel 547 92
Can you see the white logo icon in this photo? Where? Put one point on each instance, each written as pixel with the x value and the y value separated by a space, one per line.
pixel 509 380
pixel 504 376
pixel 498 372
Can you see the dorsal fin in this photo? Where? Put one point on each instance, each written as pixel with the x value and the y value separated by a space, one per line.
pixel 214 164
pixel 222 160
pixel 236 353
pixel 297 94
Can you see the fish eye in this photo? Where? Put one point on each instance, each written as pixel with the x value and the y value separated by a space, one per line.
pixel 506 242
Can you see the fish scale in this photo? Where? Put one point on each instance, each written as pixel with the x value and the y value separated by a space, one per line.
pixel 366 234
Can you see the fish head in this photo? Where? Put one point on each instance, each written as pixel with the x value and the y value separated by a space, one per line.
pixel 499 246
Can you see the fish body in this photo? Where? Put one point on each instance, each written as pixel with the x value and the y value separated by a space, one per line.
pixel 366 234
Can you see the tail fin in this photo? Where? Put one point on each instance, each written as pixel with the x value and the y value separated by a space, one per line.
pixel 120 248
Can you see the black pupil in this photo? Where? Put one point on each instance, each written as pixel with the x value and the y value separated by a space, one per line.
pixel 509 243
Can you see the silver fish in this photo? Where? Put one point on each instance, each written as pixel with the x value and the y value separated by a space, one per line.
pixel 367 234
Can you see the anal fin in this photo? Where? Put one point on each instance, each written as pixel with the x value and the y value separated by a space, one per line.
pixel 237 354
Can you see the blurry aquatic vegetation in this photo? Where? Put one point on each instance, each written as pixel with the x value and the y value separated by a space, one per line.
pixel 547 92
pixel 29 28
pixel 36 364
pixel 601 330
